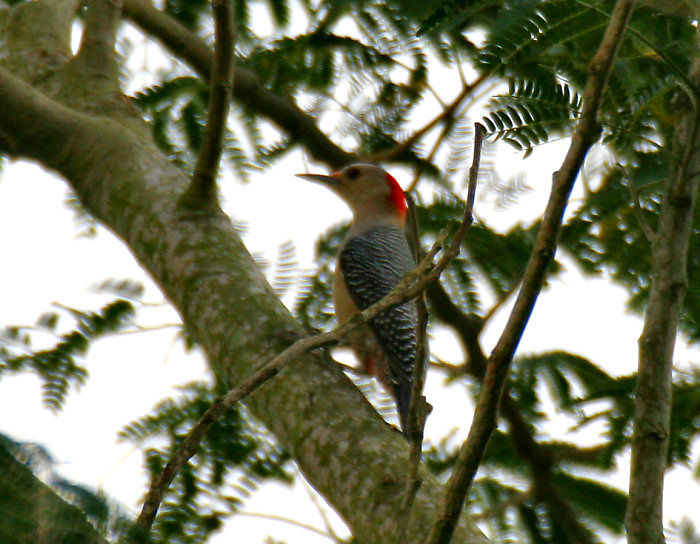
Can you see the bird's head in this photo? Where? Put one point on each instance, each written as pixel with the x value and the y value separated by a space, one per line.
pixel 366 188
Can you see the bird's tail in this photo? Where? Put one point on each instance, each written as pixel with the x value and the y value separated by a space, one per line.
pixel 402 393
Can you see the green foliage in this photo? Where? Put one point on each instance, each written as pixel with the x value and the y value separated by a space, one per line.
pixel 106 516
pixel 601 504
pixel 188 12
pixel 530 114
pixel 313 306
pixel 477 263
pixel 58 366
pixel 233 459
pixel 564 383
pixel 608 232
pixel 176 110
pixel 684 532
pixel 542 50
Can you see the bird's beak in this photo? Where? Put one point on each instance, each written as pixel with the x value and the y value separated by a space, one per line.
pixel 328 181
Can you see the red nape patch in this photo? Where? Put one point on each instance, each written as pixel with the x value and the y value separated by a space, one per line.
pixel 396 196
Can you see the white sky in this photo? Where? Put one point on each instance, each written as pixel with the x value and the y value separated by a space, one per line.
pixel 46 263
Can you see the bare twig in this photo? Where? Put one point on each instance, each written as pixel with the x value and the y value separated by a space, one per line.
pixel 443 116
pixel 637 207
pixel 314 497
pixel 295 523
pixel 202 189
pixel 418 409
pixel 429 158
pixel 485 416
pixel 652 416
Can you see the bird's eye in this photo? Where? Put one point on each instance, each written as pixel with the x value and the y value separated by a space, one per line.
pixel 353 173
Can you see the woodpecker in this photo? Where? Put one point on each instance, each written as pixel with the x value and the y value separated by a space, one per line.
pixel 373 258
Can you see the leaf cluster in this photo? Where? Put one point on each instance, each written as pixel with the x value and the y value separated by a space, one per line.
pixel 542 49
pixel 59 365
pixel 20 514
pixel 176 110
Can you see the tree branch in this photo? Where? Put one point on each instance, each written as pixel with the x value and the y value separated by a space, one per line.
pixel 652 417
pixel 202 189
pixel 637 207
pixel 545 246
pixel 96 56
pixel 33 512
pixel 418 408
pixel 447 113
pixel 36 50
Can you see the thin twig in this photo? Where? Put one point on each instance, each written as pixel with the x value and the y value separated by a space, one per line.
pixel 203 185
pixel 419 408
pixel 410 286
pixel 637 207
pixel 485 417
pixel 429 158
pixel 314 497
pixel 443 116
pixel 289 521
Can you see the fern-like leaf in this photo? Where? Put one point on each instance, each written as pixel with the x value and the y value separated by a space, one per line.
pixel 532 112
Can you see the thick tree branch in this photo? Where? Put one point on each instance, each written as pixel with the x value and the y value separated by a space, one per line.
pixel 247 89
pixel 485 416
pixel 202 189
pixel 652 419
